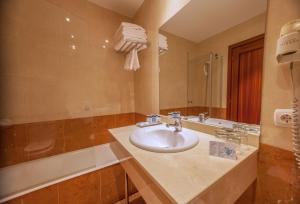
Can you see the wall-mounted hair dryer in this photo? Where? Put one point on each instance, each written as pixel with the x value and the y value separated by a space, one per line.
pixel 288 45
pixel 288 51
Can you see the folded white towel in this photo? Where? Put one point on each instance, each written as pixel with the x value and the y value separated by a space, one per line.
pixel 139 37
pixel 163 48
pixel 129 31
pixel 130 38
pixel 119 36
pixel 162 43
pixel 162 40
pixel 132 29
pixel 144 46
pixel 136 63
pixel 131 25
pixel 132 60
pixel 140 34
pixel 162 37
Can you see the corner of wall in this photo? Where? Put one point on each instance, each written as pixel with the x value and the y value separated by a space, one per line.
pixel 151 15
pixel 277 92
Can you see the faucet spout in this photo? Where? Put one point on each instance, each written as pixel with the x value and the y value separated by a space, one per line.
pixel 203 117
pixel 177 124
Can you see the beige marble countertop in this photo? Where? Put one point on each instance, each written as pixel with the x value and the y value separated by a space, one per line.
pixel 183 175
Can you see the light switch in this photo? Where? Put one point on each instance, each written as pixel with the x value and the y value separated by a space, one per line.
pixel 283 117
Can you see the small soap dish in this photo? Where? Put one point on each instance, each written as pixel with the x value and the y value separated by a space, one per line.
pixel 147 124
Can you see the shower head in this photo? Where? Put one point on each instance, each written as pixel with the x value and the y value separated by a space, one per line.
pixel 205 68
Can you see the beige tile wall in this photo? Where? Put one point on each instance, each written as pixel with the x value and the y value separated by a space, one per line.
pixel 43 78
pixel 277 92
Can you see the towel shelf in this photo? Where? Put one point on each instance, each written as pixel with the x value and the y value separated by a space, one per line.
pixel 129 45
pixel 130 39
pixel 162 50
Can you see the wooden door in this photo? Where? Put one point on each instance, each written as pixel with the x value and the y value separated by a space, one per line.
pixel 244 83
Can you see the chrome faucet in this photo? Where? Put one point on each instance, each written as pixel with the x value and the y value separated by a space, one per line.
pixel 177 124
pixel 203 117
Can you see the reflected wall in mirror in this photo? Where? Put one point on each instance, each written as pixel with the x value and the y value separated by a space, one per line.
pixel 214 60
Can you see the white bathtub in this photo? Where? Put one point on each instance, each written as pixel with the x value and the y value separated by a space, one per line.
pixel 26 177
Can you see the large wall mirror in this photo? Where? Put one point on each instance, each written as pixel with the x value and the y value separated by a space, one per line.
pixel 213 60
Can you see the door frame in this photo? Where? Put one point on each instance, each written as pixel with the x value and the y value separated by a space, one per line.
pixel 229 71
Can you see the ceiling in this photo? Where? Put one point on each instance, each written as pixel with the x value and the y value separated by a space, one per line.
pixel 201 19
pixel 124 7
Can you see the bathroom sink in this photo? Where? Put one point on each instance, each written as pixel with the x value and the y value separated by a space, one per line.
pixel 163 139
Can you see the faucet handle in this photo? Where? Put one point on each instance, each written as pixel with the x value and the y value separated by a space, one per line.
pixel 204 114
pixel 177 123
pixel 174 114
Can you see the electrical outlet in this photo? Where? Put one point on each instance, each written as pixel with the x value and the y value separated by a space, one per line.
pixel 283 117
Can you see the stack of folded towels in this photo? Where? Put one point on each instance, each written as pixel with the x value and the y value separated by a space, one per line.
pixel 162 43
pixel 130 38
pixel 128 34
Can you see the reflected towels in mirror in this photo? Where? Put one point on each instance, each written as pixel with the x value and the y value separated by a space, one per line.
pixel 162 43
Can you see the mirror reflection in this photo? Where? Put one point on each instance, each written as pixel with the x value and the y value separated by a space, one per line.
pixel 212 65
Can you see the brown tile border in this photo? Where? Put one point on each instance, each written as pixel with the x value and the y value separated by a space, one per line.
pixel 26 142
pixel 195 110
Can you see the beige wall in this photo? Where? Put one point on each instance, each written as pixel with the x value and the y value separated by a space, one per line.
pixel 277 91
pixel 43 78
pixel 198 83
pixel 219 44
pixel 151 15
pixel 173 72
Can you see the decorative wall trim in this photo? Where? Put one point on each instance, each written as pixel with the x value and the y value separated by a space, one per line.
pixel 195 110
pixel 30 141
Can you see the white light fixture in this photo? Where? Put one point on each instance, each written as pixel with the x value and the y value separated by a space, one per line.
pixel 68 19
pixel 73 47
pixel 103 46
pixel 72 36
pixel 106 41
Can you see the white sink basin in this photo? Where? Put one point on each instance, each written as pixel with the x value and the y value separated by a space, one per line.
pixel 163 139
